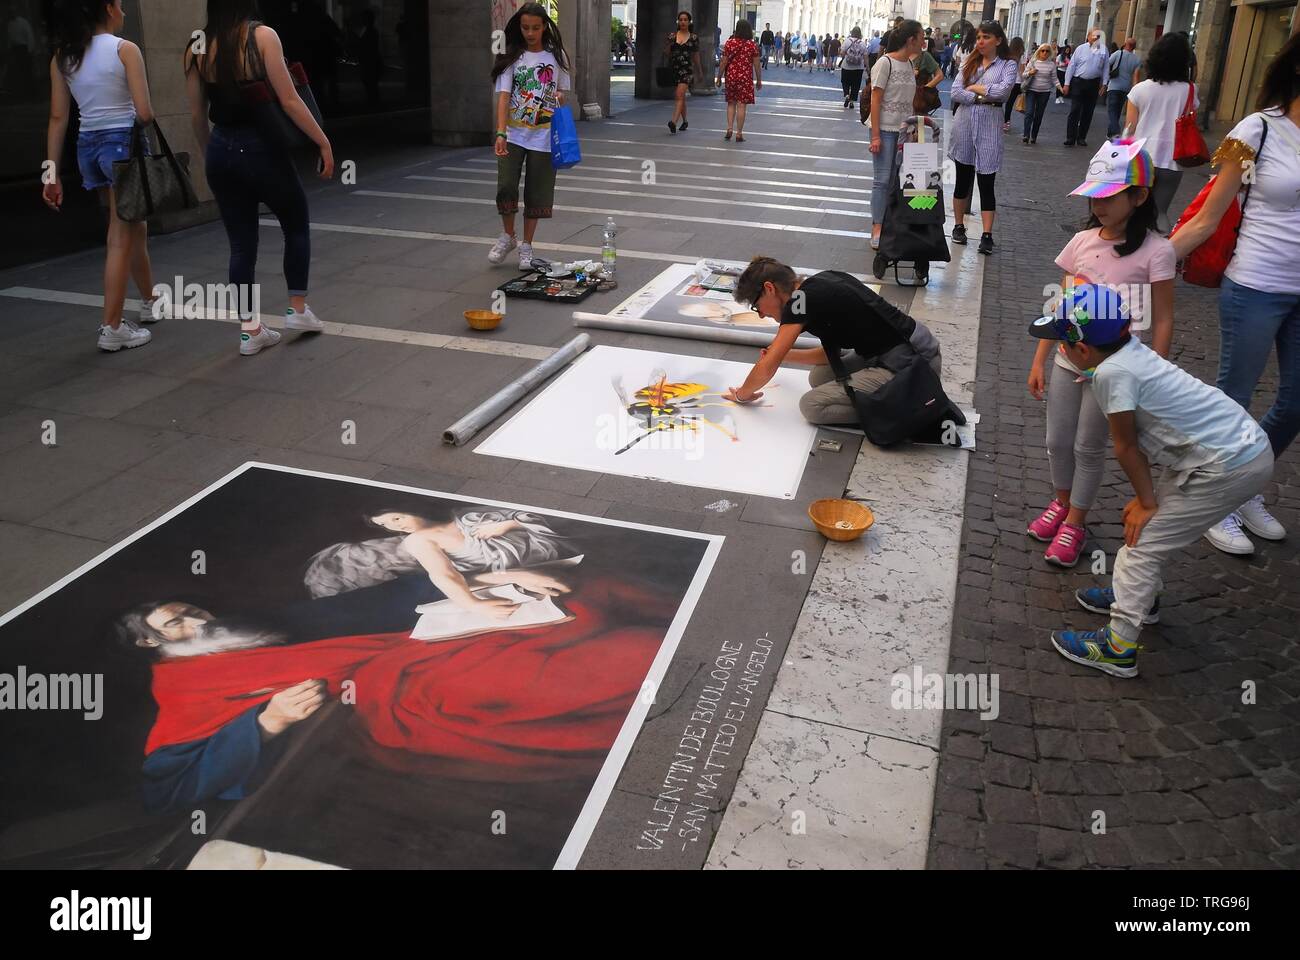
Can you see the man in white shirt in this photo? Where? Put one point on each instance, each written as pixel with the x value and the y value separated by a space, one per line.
pixel 1083 78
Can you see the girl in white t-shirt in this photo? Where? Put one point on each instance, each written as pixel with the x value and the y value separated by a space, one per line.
pixel 105 75
pixel 1154 106
pixel 529 80
pixel 1119 249
pixel 1259 301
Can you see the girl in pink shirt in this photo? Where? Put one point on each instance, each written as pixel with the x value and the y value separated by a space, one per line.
pixel 1120 249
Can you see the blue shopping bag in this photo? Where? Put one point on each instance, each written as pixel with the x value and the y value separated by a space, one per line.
pixel 565 149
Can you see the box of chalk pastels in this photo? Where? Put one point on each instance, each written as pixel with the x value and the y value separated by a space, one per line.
pixel 563 283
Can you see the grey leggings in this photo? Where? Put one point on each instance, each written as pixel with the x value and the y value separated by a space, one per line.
pixel 1162 191
pixel 1077 435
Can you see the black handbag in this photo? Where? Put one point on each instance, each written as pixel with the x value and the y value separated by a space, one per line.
pixel 911 405
pixel 276 126
pixel 146 185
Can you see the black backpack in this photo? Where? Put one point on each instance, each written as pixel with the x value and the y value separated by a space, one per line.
pixel 911 406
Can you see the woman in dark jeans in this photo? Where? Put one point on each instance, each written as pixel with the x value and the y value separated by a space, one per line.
pixel 244 169
pixel 1018 55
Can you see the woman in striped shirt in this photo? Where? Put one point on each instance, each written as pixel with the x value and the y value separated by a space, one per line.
pixel 981 87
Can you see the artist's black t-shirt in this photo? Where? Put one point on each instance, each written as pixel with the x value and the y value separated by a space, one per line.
pixel 845 313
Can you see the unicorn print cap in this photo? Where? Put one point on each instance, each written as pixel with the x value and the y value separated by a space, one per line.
pixel 1118 165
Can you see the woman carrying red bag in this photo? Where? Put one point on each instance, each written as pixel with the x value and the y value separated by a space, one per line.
pixel 1259 301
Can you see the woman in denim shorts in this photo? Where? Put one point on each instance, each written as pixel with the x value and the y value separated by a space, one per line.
pixel 105 75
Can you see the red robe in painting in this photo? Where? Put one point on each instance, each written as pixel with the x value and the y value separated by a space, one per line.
pixel 516 705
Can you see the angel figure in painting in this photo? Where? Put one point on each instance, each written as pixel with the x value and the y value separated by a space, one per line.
pixel 489 546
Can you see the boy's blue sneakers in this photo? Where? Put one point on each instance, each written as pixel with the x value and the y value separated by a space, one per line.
pixel 1101 599
pixel 1092 649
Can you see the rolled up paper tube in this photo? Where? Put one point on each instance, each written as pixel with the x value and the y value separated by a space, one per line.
pixel 467 426
pixel 687 331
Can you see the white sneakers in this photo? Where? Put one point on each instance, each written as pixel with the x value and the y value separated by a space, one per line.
pixel 126 334
pixel 1228 536
pixel 505 243
pixel 151 311
pixel 250 344
pixel 308 321
pixel 525 256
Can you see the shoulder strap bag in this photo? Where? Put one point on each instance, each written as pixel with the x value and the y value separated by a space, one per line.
pixel 276 126
pixel 146 185
pixel 912 404
pixel 1189 146
pixel 1205 265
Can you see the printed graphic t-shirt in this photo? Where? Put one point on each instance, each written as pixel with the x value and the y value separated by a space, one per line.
pixel 533 82
pixel 1182 423
pixel 1090 259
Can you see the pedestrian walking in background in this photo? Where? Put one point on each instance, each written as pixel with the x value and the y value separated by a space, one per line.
pixel 768 42
pixel 1018 55
pixel 791 40
pixel 743 74
pixel 1038 82
pixel 1154 106
pixel 683 51
pixel 1062 64
pixel 105 75
pixel 964 34
pixel 893 85
pixel 1122 72
pixel 1259 302
pixel 778 42
pixel 833 52
pixel 874 49
pixel 530 80
pixel 1083 80
pixel 928 76
pixel 245 169
pixel 981 88
pixel 852 64
pixel 813 52
pixel 1119 249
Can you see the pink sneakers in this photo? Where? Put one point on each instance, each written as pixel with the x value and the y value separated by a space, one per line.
pixel 1048 522
pixel 1066 547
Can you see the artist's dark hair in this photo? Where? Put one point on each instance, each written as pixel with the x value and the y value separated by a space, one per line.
pixel 1170 60
pixel 1281 83
pixel 993 29
pixel 761 270
pixel 744 30
pixel 552 42
pixel 226 19
pixel 75 22
pixel 1140 222
pixel 897 38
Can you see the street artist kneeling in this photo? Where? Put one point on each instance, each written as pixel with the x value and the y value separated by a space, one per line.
pixel 889 384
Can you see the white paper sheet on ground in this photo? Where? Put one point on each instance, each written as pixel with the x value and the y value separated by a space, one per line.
pixel 447 620
pixel 691 437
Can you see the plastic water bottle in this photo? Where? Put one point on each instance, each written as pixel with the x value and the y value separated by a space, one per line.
pixel 609 251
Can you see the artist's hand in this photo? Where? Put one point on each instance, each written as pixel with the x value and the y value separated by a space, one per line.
pixel 291 706
pixel 495 608
pixel 535 582
pixel 1037 382
pixel 1136 517
pixel 733 394
pixel 488 531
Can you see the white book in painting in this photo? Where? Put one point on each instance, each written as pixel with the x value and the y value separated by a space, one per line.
pixel 444 620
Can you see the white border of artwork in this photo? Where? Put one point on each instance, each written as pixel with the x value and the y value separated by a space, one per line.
pixel 594 805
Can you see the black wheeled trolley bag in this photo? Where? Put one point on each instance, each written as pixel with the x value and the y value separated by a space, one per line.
pixel 913 228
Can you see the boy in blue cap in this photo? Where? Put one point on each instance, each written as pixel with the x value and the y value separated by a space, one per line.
pixel 1213 454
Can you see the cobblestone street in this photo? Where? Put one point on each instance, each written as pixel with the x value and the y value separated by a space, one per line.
pixel 1185 773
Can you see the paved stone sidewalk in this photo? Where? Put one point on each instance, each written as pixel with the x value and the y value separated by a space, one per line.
pixel 1185 774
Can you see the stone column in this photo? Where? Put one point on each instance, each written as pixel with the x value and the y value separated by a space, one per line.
pixel 162 31
pixel 460 66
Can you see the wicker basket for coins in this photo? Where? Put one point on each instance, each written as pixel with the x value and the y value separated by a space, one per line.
pixel 840 519
pixel 483 319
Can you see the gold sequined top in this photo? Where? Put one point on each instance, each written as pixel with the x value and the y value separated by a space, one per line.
pixel 1232 151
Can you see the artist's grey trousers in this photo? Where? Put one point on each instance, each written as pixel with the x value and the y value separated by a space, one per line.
pixel 827 403
pixel 1077 436
pixel 1189 503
